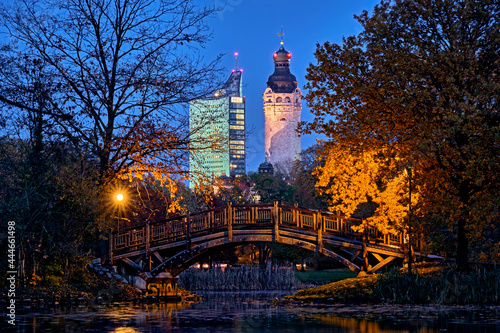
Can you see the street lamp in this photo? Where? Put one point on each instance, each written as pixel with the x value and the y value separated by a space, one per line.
pixel 119 198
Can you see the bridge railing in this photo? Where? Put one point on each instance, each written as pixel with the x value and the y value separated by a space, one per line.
pixel 224 218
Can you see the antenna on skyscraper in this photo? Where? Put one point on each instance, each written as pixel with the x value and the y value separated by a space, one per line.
pixel 236 60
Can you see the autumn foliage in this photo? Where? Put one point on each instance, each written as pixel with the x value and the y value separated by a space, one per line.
pixel 416 90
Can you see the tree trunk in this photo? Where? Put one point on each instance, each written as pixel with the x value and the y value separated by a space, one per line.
pixel 462 251
pixel 365 253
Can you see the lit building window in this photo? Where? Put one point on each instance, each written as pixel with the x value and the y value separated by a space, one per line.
pixel 237 111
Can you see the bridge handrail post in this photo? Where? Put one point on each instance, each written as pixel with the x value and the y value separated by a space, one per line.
pixel 365 250
pixel 279 213
pixel 211 219
pixel 319 228
pixel 230 222
pixel 295 214
pixel 148 247
pixel 315 221
pixel 111 245
pixel 342 226
pixel 275 219
pixel 188 231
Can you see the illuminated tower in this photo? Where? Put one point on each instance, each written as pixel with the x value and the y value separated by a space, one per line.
pixel 282 107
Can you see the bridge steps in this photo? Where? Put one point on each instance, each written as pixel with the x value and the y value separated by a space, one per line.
pixel 112 273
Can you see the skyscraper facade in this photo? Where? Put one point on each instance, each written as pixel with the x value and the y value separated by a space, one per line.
pixel 282 108
pixel 217 126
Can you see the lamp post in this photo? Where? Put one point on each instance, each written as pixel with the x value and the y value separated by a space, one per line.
pixel 119 198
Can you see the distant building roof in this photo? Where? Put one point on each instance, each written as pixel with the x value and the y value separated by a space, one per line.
pixel 266 167
pixel 233 85
pixel 232 88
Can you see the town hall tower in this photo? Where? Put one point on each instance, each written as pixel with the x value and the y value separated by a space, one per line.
pixel 282 107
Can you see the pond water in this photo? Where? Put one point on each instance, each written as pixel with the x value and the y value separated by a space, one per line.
pixel 251 312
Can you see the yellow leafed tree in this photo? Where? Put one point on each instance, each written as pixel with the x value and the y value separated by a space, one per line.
pixel 358 185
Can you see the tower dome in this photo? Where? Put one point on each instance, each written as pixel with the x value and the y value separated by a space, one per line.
pixel 282 55
pixel 282 80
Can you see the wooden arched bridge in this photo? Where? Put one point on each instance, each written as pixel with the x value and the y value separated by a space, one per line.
pixel 175 244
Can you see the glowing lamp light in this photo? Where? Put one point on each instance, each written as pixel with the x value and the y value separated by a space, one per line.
pixel 233 70
pixel 235 54
pixel 241 69
pixel 275 54
pixel 288 55
pixel 119 197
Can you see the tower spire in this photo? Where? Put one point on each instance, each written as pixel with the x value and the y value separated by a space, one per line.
pixel 281 35
pixel 236 60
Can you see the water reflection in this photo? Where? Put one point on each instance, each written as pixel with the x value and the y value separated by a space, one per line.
pixel 417 319
pixel 251 312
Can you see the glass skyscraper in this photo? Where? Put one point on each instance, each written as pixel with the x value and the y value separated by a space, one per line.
pixel 217 126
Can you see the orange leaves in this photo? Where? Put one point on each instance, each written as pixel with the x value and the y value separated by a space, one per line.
pixel 357 185
pixel 393 208
pixel 348 177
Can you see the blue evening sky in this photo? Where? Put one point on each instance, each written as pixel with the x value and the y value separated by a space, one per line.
pixel 250 28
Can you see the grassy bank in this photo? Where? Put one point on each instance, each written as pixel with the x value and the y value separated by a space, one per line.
pixel 429 285
pixel 95 289
pixel 323 277
pixel 349 290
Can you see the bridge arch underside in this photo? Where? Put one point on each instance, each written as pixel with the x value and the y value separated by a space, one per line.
pixel 175 258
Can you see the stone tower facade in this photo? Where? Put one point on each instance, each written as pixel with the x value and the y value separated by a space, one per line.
pixel 282 107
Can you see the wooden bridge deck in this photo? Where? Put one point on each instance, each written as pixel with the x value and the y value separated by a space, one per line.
pixel 176 243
